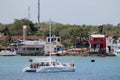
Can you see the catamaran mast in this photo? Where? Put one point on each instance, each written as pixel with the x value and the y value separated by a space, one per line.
pixel 50 36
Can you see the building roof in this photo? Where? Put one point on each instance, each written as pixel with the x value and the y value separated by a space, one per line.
pixel 2 37
pixel 33 42
pixel 58 43
pixel 33 46
pixel 97 36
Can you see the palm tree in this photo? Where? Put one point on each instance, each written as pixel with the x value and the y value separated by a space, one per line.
pixel 8 39
pixel 101 29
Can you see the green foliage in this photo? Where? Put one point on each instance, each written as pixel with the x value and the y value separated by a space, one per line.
pixel 70 34
pixel 17 27
pixel 118 25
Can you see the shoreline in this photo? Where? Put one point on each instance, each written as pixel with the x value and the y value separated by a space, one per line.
pixel 74 54
pixel 91 54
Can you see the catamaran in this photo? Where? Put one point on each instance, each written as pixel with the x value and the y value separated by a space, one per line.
pixel 48 64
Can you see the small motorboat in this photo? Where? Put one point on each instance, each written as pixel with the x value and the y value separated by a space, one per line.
pixel 7 53
pixel 48 65
pixel 116 50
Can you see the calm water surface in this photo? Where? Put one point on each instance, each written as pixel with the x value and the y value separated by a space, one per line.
pixel 104 68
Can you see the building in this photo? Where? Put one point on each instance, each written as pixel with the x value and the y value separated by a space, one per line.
pixel 53 39
pixel 54 46
pixel 97 43
pixel 109 45
pixel 31 48
pixel 40 47
pixel 112 45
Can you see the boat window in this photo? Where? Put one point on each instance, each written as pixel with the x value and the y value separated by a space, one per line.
pixel 64 64
pixel 44 64
pixel 34 65
pixel 47 64
pixel 55 63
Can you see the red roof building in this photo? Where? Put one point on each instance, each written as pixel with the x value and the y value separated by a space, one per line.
pixel 97 43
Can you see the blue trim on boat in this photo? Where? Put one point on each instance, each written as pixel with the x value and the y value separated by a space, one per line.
pixel 30 71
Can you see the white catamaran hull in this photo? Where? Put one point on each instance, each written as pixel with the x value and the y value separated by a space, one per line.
pixel 49 69
pixel 56 69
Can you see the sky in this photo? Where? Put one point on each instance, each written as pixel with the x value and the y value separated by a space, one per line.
pixel 79 12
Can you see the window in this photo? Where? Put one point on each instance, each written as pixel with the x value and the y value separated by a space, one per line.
pixel 58 40
pixel 95 39
pixel 48 39
pixel 37 48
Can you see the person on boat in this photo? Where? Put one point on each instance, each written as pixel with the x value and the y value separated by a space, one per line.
pixel 32 66
pixel 37 65
pixel 72 64
pixel 42 64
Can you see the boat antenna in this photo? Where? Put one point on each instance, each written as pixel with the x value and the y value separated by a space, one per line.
pixel 50 36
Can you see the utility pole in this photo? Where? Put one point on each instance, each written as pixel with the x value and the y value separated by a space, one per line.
pixel 38 11
pixel 29 12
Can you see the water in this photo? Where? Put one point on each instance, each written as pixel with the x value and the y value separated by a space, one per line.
pixel 104 68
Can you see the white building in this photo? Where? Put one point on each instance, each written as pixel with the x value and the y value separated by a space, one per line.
pixel 54 46
pixel 110 45
pixel 31 47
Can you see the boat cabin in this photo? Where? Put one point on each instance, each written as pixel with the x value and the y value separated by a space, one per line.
pixel 37 63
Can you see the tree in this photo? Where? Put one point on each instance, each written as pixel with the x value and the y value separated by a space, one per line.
pixel 17 27
pixel 115 38
pixel 118 25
